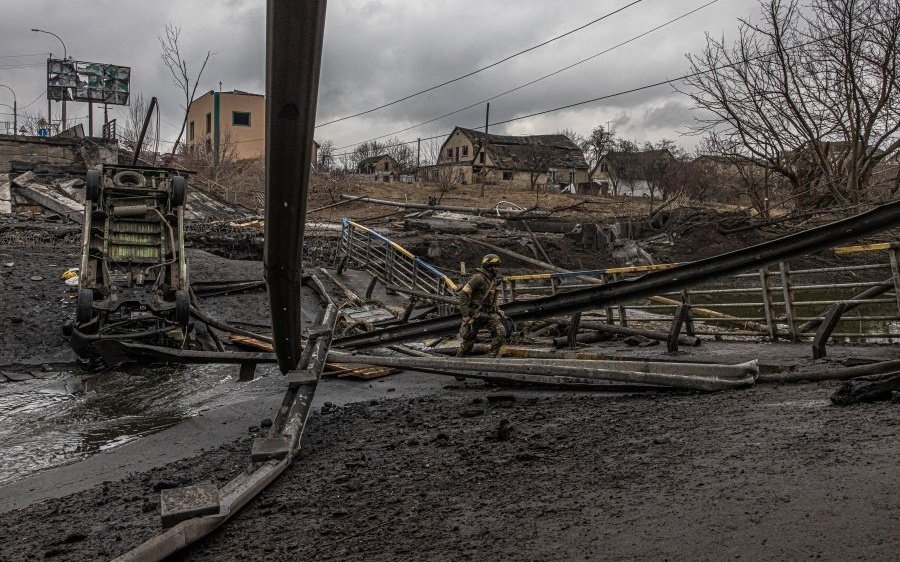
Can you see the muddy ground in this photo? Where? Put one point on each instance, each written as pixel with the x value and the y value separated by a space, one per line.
pixel 768 473
pixel 772 472
pixel 36 303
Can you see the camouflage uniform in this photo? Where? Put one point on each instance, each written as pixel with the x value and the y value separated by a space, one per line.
pixel 478 300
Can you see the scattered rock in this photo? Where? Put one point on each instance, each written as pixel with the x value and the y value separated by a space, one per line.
pixel 266 423
pixel 37 278
pixel 340 512
pixel 166 484
pixel 504 430
pixel 662 440
pixel 471 413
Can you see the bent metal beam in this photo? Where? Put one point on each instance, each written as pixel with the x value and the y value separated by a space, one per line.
pixel 679 277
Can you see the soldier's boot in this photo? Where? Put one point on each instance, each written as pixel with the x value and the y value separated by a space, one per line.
pixel 465 348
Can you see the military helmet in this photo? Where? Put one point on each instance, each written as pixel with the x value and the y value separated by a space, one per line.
pixel 490 260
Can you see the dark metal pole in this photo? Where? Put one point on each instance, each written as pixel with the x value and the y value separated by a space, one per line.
pixel 140 142
pixel 90 119
pixel 294 35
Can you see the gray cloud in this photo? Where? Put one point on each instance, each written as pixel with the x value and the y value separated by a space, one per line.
pixel 376 51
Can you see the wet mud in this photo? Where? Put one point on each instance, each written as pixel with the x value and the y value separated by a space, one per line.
pixel 475 473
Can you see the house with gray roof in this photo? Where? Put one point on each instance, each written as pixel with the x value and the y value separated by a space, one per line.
pixel 513 161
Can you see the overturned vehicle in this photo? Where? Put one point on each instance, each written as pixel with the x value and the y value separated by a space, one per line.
pixel 134 281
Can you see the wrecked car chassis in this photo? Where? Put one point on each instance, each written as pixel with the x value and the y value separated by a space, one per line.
pixel 133 281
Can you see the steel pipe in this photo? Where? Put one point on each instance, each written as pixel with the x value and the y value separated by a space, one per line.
pixel 293 59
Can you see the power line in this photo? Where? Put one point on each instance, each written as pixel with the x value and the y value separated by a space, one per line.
pixel 21 56
pixel 476 71
pixel 639 88
pixel 22 66
pixel 35 99
pixel 544 77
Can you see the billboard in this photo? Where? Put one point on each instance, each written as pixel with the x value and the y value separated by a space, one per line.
pixel 88 81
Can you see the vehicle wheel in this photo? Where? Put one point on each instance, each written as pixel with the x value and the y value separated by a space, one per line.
pixel 179 188
pixel 84 306
pixel 92 186
pixel 182 307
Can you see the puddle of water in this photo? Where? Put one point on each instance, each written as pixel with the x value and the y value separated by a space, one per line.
pixel 47 423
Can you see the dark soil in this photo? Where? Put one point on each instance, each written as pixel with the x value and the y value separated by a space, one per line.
pixel 33 311
pixel 770 473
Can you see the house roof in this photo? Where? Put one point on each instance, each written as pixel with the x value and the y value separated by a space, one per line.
pixel 517 153
pixel 373 159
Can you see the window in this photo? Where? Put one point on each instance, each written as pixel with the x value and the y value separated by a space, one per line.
pixel 387 166
pixel 604 167
pixel 465 151
pixel 191 131
pixel 450 153
pixel 508 176
pixel 481 158
pixel 208 123
pixel 240 118
pixel 434 174
pixel 572 176
pixel 551 176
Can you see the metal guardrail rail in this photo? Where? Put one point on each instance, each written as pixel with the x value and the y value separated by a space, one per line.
pixel 784 303
pixel 392 264
pixel 681 278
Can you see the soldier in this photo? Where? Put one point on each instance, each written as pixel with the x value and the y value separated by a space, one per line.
pixel 478 306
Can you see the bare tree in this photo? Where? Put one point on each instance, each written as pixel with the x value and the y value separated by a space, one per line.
pixel 597 145
pixel 326 159
pixel 172 57
pixel 134 122
pixel 403 153
pixel 446 177
pixel 812 92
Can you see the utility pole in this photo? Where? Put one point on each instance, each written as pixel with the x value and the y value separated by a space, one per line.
pixel 418 154
pixel 487 118
pixel 15 109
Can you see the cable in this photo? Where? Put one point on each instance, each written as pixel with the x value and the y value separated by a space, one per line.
pixel 35 99
pixel 22 66
pixel 554 73
pixel 640 88
pixel 476 71
pixel 25 55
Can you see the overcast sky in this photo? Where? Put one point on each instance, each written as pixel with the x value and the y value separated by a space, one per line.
pixel 377 51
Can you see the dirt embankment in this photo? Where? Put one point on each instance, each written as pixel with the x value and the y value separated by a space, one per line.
pixel 772 472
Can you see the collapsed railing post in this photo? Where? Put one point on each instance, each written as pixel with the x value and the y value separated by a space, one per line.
pixel 371 287
pixel 682 313
pixel 767 303
pixel 895 273
pixel 689 321
pixel 832 317
pixel 573 330
pixel 788 293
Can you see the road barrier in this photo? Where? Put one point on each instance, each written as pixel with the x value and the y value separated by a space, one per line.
pixel 393 265
pixel 780 301
pixel 777 301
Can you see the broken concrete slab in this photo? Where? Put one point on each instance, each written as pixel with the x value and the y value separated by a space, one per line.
pixel 5 195
pixel 74 188
pixel 47 197
pixel 300 377
pixel 269 448
pixel 179 504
